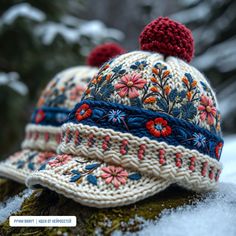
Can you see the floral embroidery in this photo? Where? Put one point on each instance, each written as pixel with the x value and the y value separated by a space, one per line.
pixel 78 175
pixel 44 156
pixel 207 110
pixel 114 175
pixel 199 140
pixel 158 127
pixel 116 116
pixel 129 85
pixel 151 87
pixel 39 116
pixel 83 112
pixel 60 160
pixel 218 150
pixel 76 93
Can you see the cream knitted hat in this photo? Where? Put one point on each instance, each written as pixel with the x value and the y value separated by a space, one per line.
pixel 43 133
pixel 147 120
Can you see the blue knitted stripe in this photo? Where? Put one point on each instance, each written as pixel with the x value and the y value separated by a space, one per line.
pixel 133 120
pixel 53 116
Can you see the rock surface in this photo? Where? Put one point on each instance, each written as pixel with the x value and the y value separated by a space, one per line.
pixel 92 221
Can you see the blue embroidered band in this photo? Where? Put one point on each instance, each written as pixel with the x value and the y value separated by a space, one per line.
pixel 49 116
pixel 145 123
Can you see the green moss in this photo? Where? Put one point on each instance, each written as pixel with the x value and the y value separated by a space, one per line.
pixel 9 188
pixel 127 218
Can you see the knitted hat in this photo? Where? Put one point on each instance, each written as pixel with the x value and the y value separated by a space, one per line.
pixel 43 132
pixel 148 120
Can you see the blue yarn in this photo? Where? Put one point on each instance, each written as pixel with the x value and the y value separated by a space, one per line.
pixel 54 116
pixel 136 118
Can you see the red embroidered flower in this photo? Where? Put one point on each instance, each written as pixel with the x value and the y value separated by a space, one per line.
pixel 129 85
pixel 207 110
pixel 114 175
pixel 158 127
pixel 83 112
pixel 39 116
pixel 60 160
pixel 218 150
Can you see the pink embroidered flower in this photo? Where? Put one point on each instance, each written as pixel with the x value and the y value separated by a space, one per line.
pixel 114 175
pixel 207 110
pixel 44 156
pixel 60 160
pixel 77 92
pixel 129 85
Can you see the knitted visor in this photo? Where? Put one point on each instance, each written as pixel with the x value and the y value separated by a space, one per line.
pixel 147 120
pixel 42 134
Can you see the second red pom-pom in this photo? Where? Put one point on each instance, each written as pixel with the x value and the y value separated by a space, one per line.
pixel 104 52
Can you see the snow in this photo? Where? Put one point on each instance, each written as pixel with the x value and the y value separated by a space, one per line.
pixel 197 13
pixel 95 30
pixel 12 205
pixel 11 80
pixel 221 56
pixel 216 215
pixel 22 10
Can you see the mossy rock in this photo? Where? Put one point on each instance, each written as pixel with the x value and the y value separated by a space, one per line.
pixel 9 188
pixel 92 220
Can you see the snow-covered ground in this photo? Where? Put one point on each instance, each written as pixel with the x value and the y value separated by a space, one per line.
pixel 13 204
pixel 215 216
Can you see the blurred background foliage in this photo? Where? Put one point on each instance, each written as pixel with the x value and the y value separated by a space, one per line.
pixel 40 38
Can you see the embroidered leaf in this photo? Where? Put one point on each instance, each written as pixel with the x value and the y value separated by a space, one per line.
pixel 136 102
pixel 183 94
pixel 20 164
pixel 189 77
pixel 188 111
pixel 42 167
pixel 92 166
pixel 75 178
pixel 134 67
pixel 176 112
pixel 31 166
pixel 98 113
pixel 75 172
pixel 135 176
pixel 173 94
pixel 135 121
pixel 106 91
pixel 121 72
pixel 162 104
pixel 32 156
pixel 117 69
pixel 92 179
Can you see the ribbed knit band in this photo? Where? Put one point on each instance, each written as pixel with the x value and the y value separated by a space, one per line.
pixel 186 167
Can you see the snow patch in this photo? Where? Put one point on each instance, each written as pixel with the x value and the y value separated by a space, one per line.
pixel 12 205
pixel 11 80
pixel 22 10
pixel 95 30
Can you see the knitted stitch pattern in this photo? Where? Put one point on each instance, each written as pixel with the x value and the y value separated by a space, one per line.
pixel 99 129
pixel 42 134
pixel 147 120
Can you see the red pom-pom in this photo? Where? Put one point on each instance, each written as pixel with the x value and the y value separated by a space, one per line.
pixel 104 52
pixel 169 38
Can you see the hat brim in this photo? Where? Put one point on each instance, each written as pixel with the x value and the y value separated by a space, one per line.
pixel 19 165
pixel 96 184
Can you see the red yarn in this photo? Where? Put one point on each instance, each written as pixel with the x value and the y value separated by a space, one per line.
pixel 169 38
pixel 104 52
